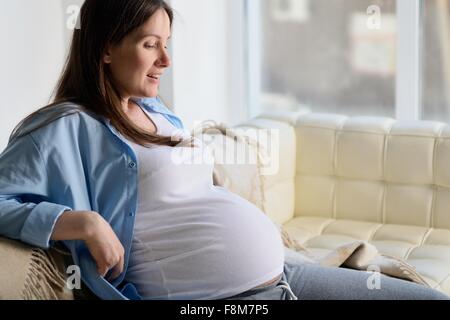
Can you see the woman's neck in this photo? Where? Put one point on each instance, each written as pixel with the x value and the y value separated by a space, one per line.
pixel 128 105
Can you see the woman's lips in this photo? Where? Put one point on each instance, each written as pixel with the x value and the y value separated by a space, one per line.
pixel 153 80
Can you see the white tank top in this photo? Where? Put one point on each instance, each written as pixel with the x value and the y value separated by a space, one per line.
pixel 194 240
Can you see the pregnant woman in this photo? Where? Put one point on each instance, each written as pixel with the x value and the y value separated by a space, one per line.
pixel 109 172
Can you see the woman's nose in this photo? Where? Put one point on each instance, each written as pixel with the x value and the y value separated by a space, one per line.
pixel 164 59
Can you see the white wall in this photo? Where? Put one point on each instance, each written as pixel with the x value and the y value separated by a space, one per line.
pixel 31 56
pixel 208 78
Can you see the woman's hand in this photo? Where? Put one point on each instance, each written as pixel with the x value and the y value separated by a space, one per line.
pixel 99 237
pixel 104 246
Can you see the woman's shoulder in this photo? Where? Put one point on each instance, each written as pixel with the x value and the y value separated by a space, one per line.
pixel 67 111
pixel 57 120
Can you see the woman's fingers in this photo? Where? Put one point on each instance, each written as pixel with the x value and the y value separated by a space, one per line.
pixel 106 249
pixel 107 259
pixel 117 269
pixel 102 270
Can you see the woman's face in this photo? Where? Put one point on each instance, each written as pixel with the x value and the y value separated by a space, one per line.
pixel 140 59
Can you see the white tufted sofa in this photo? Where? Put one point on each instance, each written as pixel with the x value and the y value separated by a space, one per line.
pixel 375 179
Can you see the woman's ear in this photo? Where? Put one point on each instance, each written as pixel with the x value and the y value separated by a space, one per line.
pixel 107 56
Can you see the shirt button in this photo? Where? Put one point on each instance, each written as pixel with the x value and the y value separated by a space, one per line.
pixel 132 165
pixel 131 214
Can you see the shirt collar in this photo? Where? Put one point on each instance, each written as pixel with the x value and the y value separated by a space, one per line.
pixel 156 105
pixel 153 104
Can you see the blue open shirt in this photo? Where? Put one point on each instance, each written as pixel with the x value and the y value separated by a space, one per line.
pixel 78 162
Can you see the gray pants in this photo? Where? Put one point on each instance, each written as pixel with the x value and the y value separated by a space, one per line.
pixel 306 281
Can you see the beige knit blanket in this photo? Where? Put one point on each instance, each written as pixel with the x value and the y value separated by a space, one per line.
pixel 28 273
pixel 358 255
pixel 247 181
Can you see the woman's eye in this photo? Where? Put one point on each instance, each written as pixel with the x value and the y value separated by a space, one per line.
pixel 149 46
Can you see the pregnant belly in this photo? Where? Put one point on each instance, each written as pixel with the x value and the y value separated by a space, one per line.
pixel 222 242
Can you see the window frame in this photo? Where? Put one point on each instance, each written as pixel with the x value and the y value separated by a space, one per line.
pixel 409 63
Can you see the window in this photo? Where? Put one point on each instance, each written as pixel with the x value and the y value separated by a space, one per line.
pixel 355 57
pixel 329 55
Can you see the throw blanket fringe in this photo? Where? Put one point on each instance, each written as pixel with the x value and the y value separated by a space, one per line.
pixel 43 265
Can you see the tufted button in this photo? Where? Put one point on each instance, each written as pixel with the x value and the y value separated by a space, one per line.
pixel 132 165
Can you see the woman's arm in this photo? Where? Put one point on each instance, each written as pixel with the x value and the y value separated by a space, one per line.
pixel 100 239
pixel 26 213
pixel 71 225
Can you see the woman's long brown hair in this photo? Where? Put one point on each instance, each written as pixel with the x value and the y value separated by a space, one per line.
pixel 86 81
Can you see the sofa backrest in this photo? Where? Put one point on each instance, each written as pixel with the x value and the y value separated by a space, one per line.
pixel 362 168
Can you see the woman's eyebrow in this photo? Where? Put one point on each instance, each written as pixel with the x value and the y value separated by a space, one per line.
pixel 153 35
